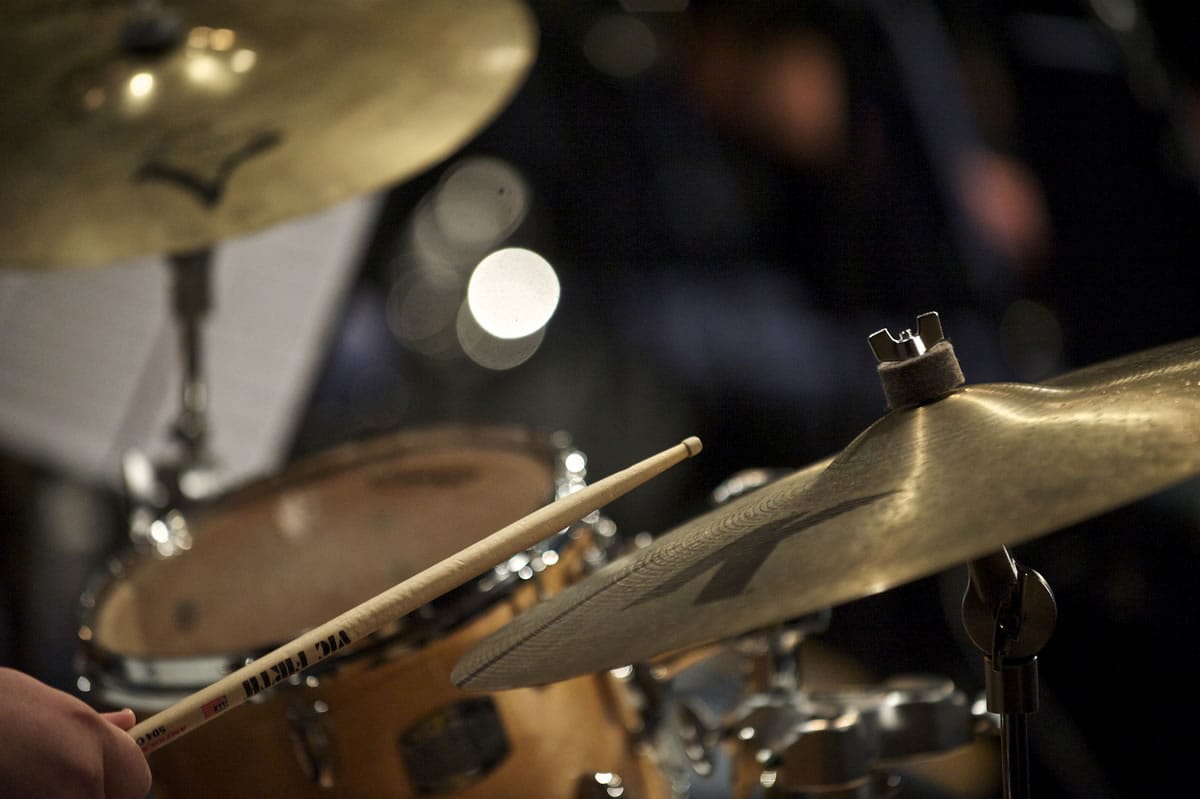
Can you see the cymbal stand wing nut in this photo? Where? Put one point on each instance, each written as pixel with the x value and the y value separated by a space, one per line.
pixel 916 368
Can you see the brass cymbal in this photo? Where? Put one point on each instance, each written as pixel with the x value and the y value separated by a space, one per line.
pixel 920 490
pixel 212 119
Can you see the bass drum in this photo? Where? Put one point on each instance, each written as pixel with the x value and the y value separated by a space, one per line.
pixel 268 561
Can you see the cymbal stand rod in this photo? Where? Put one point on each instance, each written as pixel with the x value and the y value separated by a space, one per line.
pixel 782 665
pixel 191 278
pixel 155 491
pixel 1014 755
pixel 1009 613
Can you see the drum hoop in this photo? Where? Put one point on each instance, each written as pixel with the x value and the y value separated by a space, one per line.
pixel 164 680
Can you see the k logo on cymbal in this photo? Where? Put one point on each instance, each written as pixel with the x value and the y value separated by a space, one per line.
pixel 201 160
pixel 737 562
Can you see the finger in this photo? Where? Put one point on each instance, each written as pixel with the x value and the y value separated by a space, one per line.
pixel 123 719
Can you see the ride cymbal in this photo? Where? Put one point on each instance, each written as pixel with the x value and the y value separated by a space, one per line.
pixel 128 132
pixel 922 489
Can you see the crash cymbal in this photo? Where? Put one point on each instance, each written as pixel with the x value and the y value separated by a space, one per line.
pixel 922 489
pixel 175 129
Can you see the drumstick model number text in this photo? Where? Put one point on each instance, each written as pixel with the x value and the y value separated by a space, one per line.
pixel 288 666
pixel 157 737
pixel 271 675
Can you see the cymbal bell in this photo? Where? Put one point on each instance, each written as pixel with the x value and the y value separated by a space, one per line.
pixel 922 489
pixel 169 132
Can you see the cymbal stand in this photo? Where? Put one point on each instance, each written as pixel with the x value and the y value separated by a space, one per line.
pixel 191 278
pixel 1009 614
pixel 775 653
pixel 1008 609
pixel 154 491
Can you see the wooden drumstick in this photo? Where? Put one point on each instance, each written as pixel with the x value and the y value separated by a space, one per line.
pixel 323 641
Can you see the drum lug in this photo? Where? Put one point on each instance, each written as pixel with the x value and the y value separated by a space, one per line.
pixel 164 534
pixel 312 742
pixel 699 734
pixel 601 785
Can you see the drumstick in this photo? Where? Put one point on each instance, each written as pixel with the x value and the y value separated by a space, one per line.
pixel 320 642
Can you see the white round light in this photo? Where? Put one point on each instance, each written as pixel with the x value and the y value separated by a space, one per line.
pixel 513 293
pixel 479 202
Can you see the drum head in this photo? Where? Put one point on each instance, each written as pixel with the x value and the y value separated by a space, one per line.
pixel 280 556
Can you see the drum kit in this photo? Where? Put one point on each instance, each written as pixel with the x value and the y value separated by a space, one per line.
pixel 540 669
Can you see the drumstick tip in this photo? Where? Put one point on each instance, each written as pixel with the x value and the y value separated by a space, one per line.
pixel 693 445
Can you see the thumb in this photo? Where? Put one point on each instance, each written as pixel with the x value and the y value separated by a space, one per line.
pixel 124 719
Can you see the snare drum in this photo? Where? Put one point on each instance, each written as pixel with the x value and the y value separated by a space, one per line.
pixel 270 560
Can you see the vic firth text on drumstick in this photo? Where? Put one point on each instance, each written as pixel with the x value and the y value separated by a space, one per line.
pixel 362 620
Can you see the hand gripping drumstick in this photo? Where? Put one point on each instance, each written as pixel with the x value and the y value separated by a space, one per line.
pixel 420 589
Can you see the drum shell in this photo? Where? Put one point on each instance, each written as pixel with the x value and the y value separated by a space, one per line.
pixel 558 735
pixel 355 719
